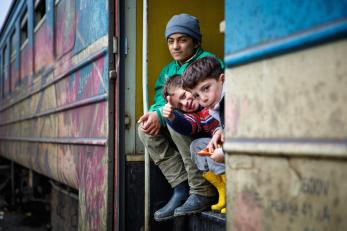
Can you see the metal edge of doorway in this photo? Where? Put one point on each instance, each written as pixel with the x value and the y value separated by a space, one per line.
pixel 116 166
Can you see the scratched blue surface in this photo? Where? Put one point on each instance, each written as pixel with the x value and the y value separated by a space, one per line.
pixel 257 28
pixel 92 22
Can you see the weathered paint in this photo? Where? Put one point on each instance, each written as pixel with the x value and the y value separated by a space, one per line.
pixel 286 141
pixel 26 68
pixel 298 98
pixel 55 121
pixel 91 22
pixel 92 188
pixel 256 29
pixel 263 20
pixel 43 47
pixel 66 27
pixel 286 193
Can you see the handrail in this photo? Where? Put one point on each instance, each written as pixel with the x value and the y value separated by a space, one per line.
pixel 145 108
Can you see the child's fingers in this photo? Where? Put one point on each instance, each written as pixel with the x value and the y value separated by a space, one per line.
pixel 210 147
pixel 222 137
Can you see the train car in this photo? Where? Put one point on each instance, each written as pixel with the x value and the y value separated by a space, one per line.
pixel 286 117
pixel 55 101
pixel 70 96
pixel 71 76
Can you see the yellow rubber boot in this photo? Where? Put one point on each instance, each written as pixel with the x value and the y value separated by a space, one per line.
pixel 223 210
pixel 217 182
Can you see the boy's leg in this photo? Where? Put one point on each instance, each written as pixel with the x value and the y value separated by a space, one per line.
pixel 198 185
pixel 196 146
pixel 216 167
pixel 164 154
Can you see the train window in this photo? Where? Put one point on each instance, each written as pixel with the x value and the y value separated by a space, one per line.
pixel 4 84
pixel 65 26
pixel 13 45
pixel 40 13
pixel 2 74
pixel 1 78
pixel 24 29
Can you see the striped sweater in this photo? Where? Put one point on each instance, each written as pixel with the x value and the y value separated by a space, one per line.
pixel 190 124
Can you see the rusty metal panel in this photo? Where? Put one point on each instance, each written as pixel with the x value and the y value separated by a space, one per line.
pixel 293 104
pixel 273 193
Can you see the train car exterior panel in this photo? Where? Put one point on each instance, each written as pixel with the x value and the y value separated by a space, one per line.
pixel 89 81
pixel 90 24
pixel 266 28
pixel 84 122
pixel 54 118
pixel 286 133
pixel 270 193
pixel 294 103
pixel 286 137
pixel 93 187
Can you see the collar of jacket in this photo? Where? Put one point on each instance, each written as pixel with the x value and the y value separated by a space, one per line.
pixel 193 58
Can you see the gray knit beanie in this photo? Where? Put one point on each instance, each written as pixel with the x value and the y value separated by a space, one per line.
pixel 185 24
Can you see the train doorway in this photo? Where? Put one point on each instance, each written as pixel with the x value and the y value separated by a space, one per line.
pixel 210 15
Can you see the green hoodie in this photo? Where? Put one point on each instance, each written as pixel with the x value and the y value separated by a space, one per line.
pixel 173 68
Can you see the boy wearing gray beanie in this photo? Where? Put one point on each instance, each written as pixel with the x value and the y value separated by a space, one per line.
pixel 169 149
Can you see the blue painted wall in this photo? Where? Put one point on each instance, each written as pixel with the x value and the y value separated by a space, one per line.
pixel 257 28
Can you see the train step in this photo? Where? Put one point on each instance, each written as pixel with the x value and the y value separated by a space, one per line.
pixel 207 221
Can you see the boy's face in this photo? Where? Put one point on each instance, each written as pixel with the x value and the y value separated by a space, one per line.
pixel 181 47
pixel 183 100
pixel 209 91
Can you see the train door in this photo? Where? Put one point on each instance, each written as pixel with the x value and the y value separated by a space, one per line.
pixel 286 136
pixel 210 15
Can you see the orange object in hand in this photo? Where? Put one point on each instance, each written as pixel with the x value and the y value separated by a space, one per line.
pixel 204 152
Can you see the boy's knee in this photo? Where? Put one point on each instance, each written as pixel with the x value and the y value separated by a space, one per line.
pixel 144 137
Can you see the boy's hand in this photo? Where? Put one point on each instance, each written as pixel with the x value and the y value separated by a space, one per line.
pixel 218 155
pixel 150 123
pixel 168 109
pixel 216 141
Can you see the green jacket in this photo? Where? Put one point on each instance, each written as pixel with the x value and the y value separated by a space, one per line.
pixel 173 68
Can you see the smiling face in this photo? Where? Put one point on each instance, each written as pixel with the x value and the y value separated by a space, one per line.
pixel 181 47
pixel 183 100
pixel 209 91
